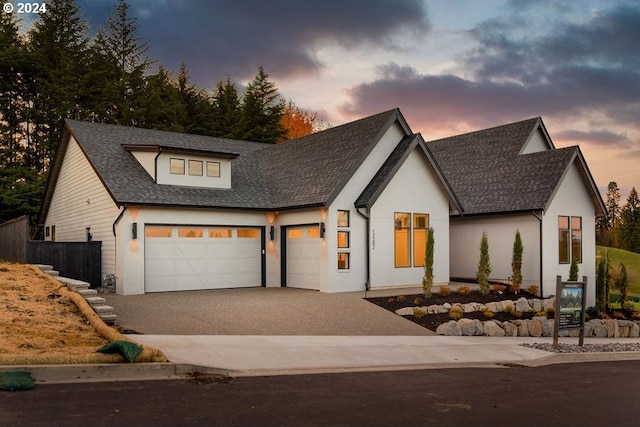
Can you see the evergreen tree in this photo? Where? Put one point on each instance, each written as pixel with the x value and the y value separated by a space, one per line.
pixel 573 271
pixel 128 52
pixel 607 225
pixel 427 280
pixel 227 112
pixel 161 104
pixel 261 111
pixel 484 265
pixel 622 283
pixel 601 296
pixel 516 263
pixel 58 43
pixel 630 223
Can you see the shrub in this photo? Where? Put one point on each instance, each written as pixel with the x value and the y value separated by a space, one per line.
pixel 516 262
pixel 499 289
pixel 622 283
pixel 456 313
pixel 533 289
pixel 464 290
pixel 573 271
pixel 427 280
pixel 444 291
pixel 484 265
pixel 488 313
pixel 551 311
pixel 419 312
pixel 509 309
pixel 417 301
pixel 628 306
pixel 514 288
pixel 619 315
pixel 400 298
pixel 517 314
pixel 541 314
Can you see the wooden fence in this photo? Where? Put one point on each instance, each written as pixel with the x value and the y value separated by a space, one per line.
pixel 77 260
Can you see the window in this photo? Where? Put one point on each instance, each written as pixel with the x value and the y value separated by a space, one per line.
pixel 294 233
pixel 343 239
pixel 570 239
pixel 213 169
pixel 47 232
pixel 420 229
pixel 313 232
pixel 195 167
pixel 343 260
pixel 157 232
pixel 190 232
pixel 343 218
pixel 576 239
pixel 53 233
pixel 402 248
pixel 219 233
pixel 248 233
pixel 177 166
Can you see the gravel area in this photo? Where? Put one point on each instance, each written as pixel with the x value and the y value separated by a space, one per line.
pixel 587 348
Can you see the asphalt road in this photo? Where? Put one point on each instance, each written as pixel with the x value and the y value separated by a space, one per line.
pixel 581 394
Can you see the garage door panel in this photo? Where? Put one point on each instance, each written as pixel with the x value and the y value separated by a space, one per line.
pixel 200 258
pixel 303 257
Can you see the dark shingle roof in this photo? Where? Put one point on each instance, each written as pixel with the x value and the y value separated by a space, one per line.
pixel 489 176
pixel 304 172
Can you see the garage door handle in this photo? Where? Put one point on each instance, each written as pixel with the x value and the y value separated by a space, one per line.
pixel 263 252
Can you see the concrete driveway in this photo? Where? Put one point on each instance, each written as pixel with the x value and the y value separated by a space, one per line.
pixel 260 311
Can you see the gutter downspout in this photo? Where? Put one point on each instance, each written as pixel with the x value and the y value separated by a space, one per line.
pixel 367 285
pixel 155 166
pixel 539 218
pixel 113 226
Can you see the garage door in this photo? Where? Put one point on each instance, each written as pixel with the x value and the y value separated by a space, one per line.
pixel 179 258
pixel 303 257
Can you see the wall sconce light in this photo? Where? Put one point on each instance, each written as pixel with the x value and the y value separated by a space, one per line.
pixel 322 230
pixel 89 236
pixel 272 233
pixel 134 230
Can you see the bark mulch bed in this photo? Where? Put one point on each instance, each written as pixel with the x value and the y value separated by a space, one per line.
pixel 432 321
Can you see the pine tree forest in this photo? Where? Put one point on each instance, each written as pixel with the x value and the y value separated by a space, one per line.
pixel 56 69
pixel 621 229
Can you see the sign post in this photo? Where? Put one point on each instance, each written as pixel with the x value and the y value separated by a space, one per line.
pixel 570 307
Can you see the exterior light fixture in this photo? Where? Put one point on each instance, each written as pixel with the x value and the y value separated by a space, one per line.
pixel 134 230
pixel 322 230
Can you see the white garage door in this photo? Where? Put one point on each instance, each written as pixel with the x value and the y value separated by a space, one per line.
pixel 303 257
pixel 179 258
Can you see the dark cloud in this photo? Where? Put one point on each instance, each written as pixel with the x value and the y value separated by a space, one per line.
pixel 578 73
pixel 233 38
pixel 601 137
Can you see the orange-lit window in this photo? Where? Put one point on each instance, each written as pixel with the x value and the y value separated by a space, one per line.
pixel 294 233
pixel 157 232
pixel 343 218
pixel 177 166
pixel 248 233
pixel 420 229
pixel 343 261
pixel 190 232
pixel 343 239
pixel 219 233
pixel 313 232
pixel 213 169
pixel 402 244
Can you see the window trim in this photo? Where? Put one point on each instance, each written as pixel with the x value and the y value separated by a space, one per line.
pixel 347 216
pixel 195 163
pixel 347 256
pixel 397 228
pixel 171 160
pixel 346 233
pixel 574 247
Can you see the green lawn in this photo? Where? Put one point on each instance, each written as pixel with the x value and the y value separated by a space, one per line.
pixel 631 260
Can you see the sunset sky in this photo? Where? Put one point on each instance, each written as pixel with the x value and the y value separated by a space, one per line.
pixel 450 66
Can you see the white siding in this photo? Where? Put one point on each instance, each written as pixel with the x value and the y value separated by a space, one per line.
pixel 571 199
pixel 147 161
pixel 414 189
pixel 354 279
pixel 80 201
pixel 466 234
pixel 536 143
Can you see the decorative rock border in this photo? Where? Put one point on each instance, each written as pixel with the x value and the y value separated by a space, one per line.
pixel 539 326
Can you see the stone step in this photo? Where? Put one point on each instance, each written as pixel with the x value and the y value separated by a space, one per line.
pixel 44 267
pixel 73 284
pixel 51 273
pixel 109 319
pixel 103 309
pixel 87 292
pixel 94 301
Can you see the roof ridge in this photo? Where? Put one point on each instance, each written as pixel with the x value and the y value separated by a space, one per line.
pixel 492 128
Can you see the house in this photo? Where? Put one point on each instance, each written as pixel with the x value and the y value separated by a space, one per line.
pixel 511 178
pixel 344 209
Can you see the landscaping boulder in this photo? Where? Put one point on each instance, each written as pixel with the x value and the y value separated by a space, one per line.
pixel 634 331
pixel 535 327
pixel 491 329
pixel 612 327
pixel 450 328
pixel 479 327
pixel 495 307
pixel 469 308
pixel 523 327
pixel 522 304
pixel 548 303
pixel 547 326
pixel 508 306
pixel 536 305
pixel 467 327
pixel 510 330
pixel 405 311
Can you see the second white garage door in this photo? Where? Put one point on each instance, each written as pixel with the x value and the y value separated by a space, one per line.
pixel 179 258
pixel 303 257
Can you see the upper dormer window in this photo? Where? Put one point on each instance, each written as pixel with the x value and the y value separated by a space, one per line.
pixel 195 167
pixel 213 169
pixel 177 166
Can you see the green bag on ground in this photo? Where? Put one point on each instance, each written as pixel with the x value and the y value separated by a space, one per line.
pixel 14 381
pixel 127 349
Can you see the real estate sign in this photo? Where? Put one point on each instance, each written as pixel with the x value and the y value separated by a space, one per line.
pixel 570 307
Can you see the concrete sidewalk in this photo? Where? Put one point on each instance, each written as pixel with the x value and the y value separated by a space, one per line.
pixel 274 355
